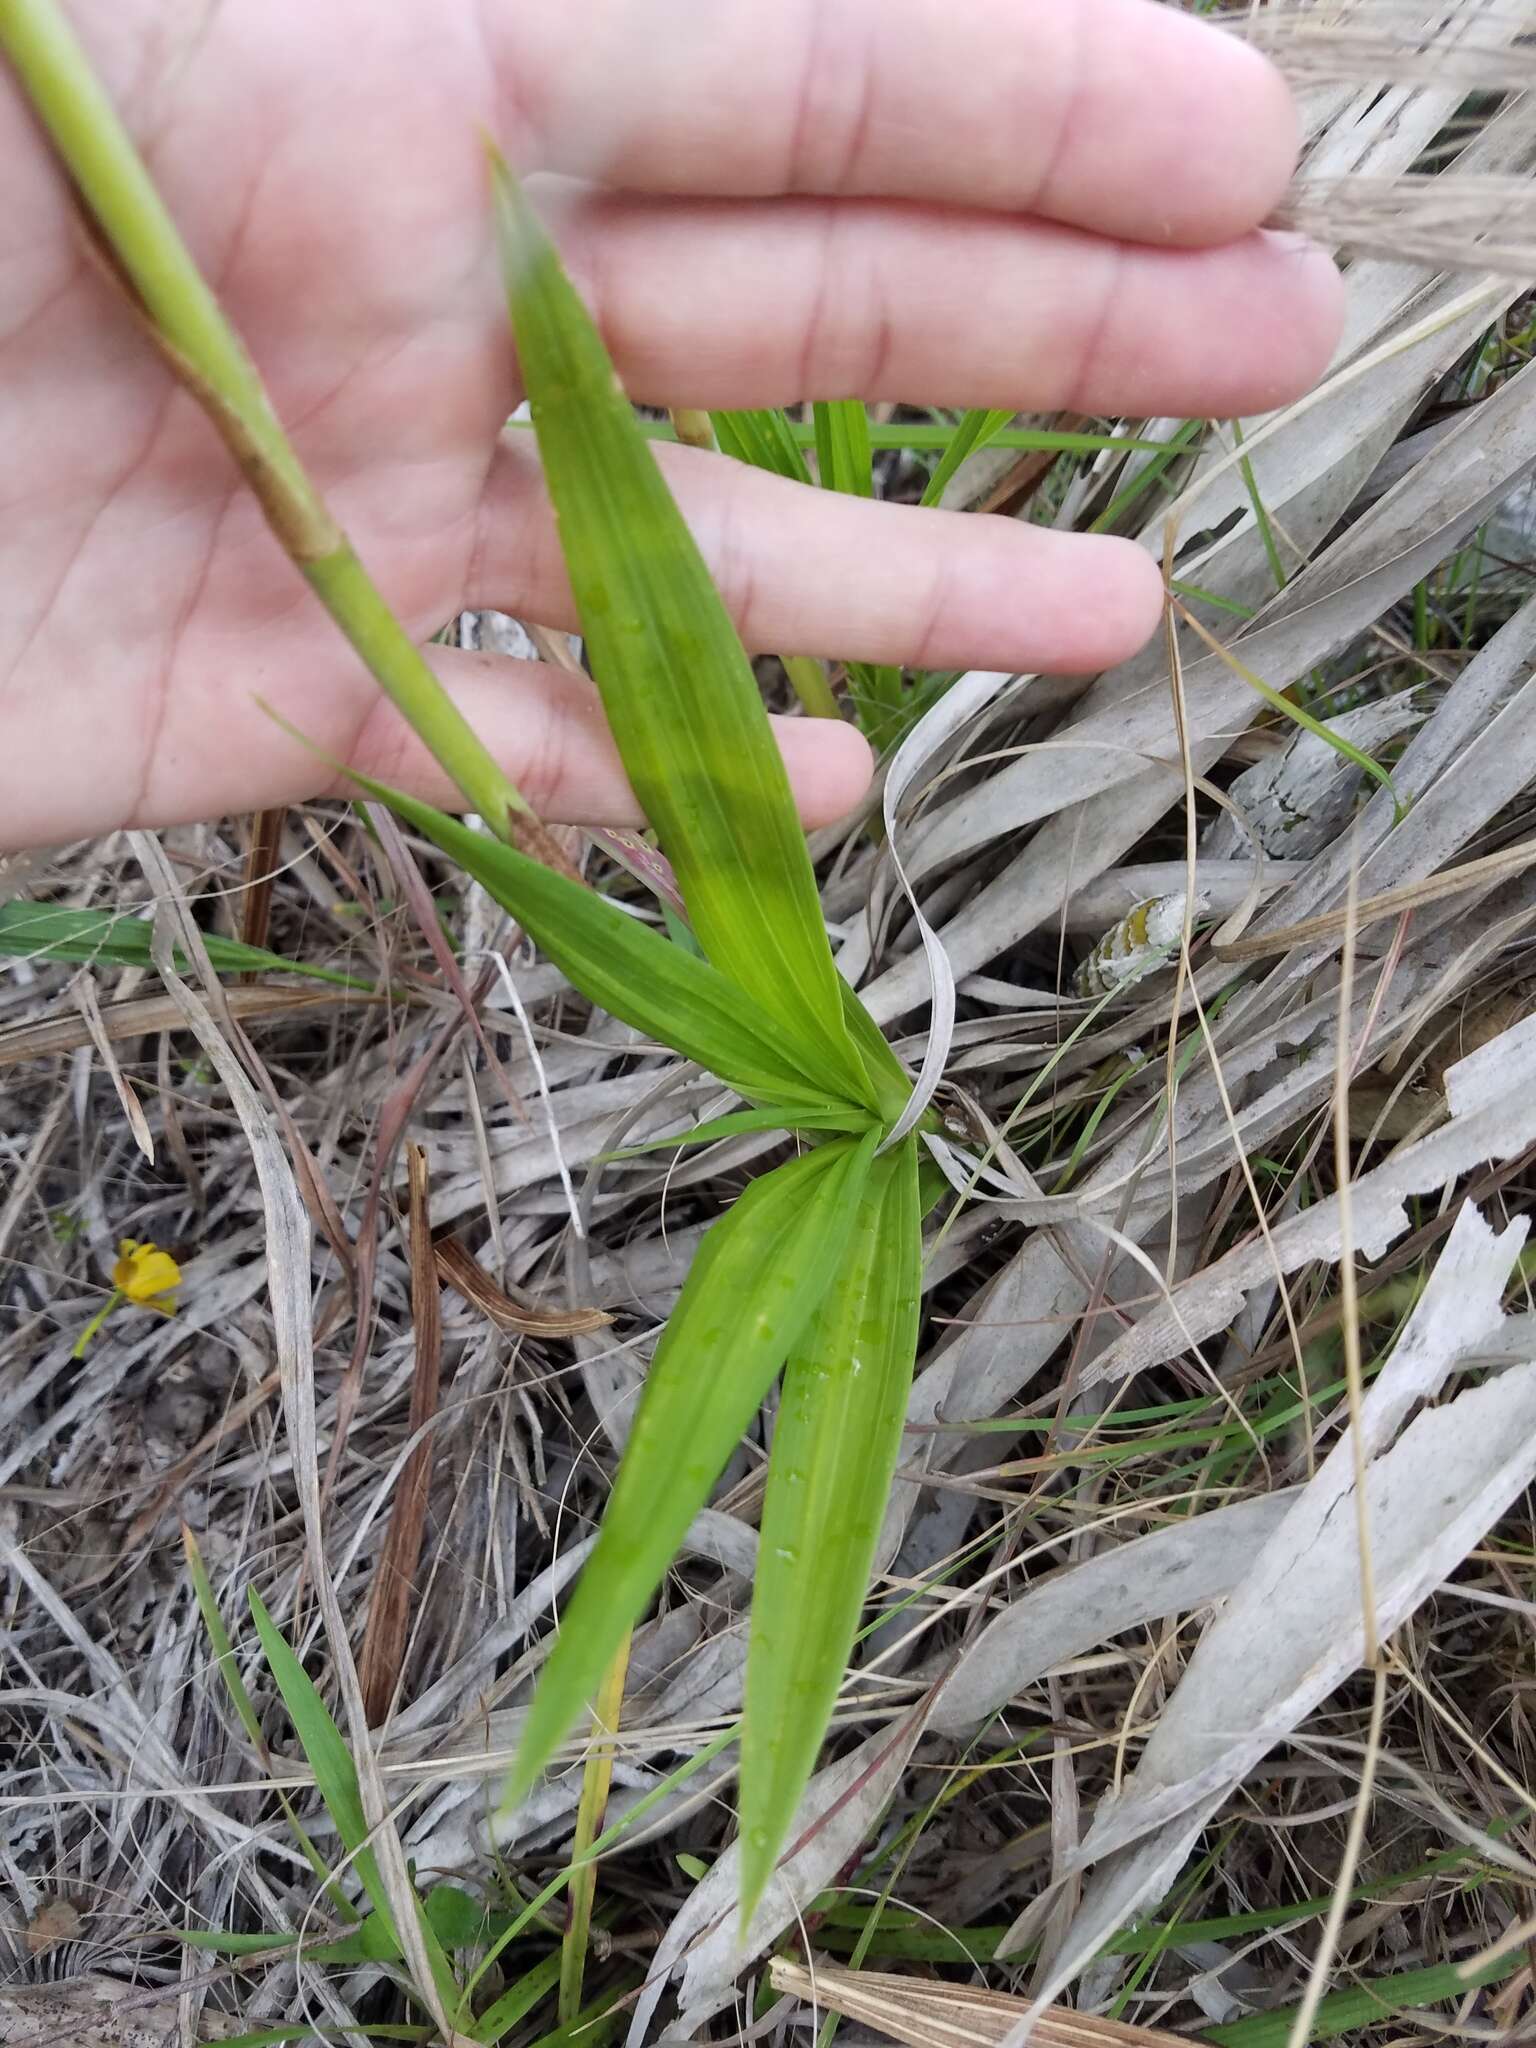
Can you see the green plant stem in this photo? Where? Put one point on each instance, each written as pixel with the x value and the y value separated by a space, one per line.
pixel 1287 708
pixel 397 664
pixel 693 427
pixel 1260 514
pixel 158 274
pixel 96 1322
pixel 597 1778
pixel 808 678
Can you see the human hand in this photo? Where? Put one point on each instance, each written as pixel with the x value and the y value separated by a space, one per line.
pixel 1030 203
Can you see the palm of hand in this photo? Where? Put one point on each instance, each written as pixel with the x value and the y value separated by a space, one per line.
pixel 325 166
pixel 142 586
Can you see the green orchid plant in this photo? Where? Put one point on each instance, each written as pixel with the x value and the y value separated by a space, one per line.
pixel 814 1273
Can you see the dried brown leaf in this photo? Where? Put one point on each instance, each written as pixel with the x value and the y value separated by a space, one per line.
pixel 261 859
pixel 927 2013
pixel 45 1037
pixel 389 1612
pixel 54 1921
pixel 459 1270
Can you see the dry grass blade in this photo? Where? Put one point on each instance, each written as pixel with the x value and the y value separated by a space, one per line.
pixel 1462 224
pixel 1492 1117
pixel 261 862
pixel 1389 41
pixel 95 2010
pixel 928 2013
pixel 1299 1623
pixel 84 992
pixel 1177 1569
pixel 287 1247
pixel 394 1586
pixel 458 1269
pixel 841 1807
pixel 1331 924
pixel 145 1016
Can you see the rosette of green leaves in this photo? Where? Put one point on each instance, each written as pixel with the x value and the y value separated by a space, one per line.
pixel 814 1272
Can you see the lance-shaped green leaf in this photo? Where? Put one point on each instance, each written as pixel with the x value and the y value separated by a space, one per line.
pixel 888 1077
pixel 834 1450
pixel 843 455
pixel 676 684
pixel 337 1783
pixel 643 979
pixel 739 1123
pixel 844 462
pixel 763 437
pixel 229 1670
pixel 974 431
pixel 753 1287
pixel 45 931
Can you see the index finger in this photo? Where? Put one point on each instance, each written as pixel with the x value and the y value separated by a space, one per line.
pixel 1124 116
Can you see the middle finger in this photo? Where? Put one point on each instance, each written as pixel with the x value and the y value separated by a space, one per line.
pixel 734 303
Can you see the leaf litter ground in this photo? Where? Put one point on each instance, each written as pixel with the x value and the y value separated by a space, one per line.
pixel 1112 1681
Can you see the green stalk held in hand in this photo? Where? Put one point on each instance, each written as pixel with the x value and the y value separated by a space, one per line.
pixel 140 244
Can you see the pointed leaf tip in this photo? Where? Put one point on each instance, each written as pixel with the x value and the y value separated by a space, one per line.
pixel 754 1284
pixel 834 1450
pixel 679 691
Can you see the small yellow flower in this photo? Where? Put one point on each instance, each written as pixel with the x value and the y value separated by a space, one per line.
pixel 147 1276
pixel 144 1275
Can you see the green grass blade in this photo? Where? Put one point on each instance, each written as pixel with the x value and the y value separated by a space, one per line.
pixel 336 1781
pixel 597 2023
pixel 765 439
pixel 1182 442
pixel 372 1943
pixel 518 2000
pixel 250 1721
pixel 312 2030
pixel 789 1116
pixel 645 980
pixel 876 693
pixel 325 1748
pixel 753 1286
pixel 924 440
pixel 40 931
pixel 834 1450
pixel 844 462
pixel 1261 517
pixel 1364 2005
pixel 596 1783
pixel 609 1838
pixel 1299 715
pixel 973 432
pixel 808 679
pixel 843 453
pixel 235 1944
pixel 935 439
pixel 676 683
